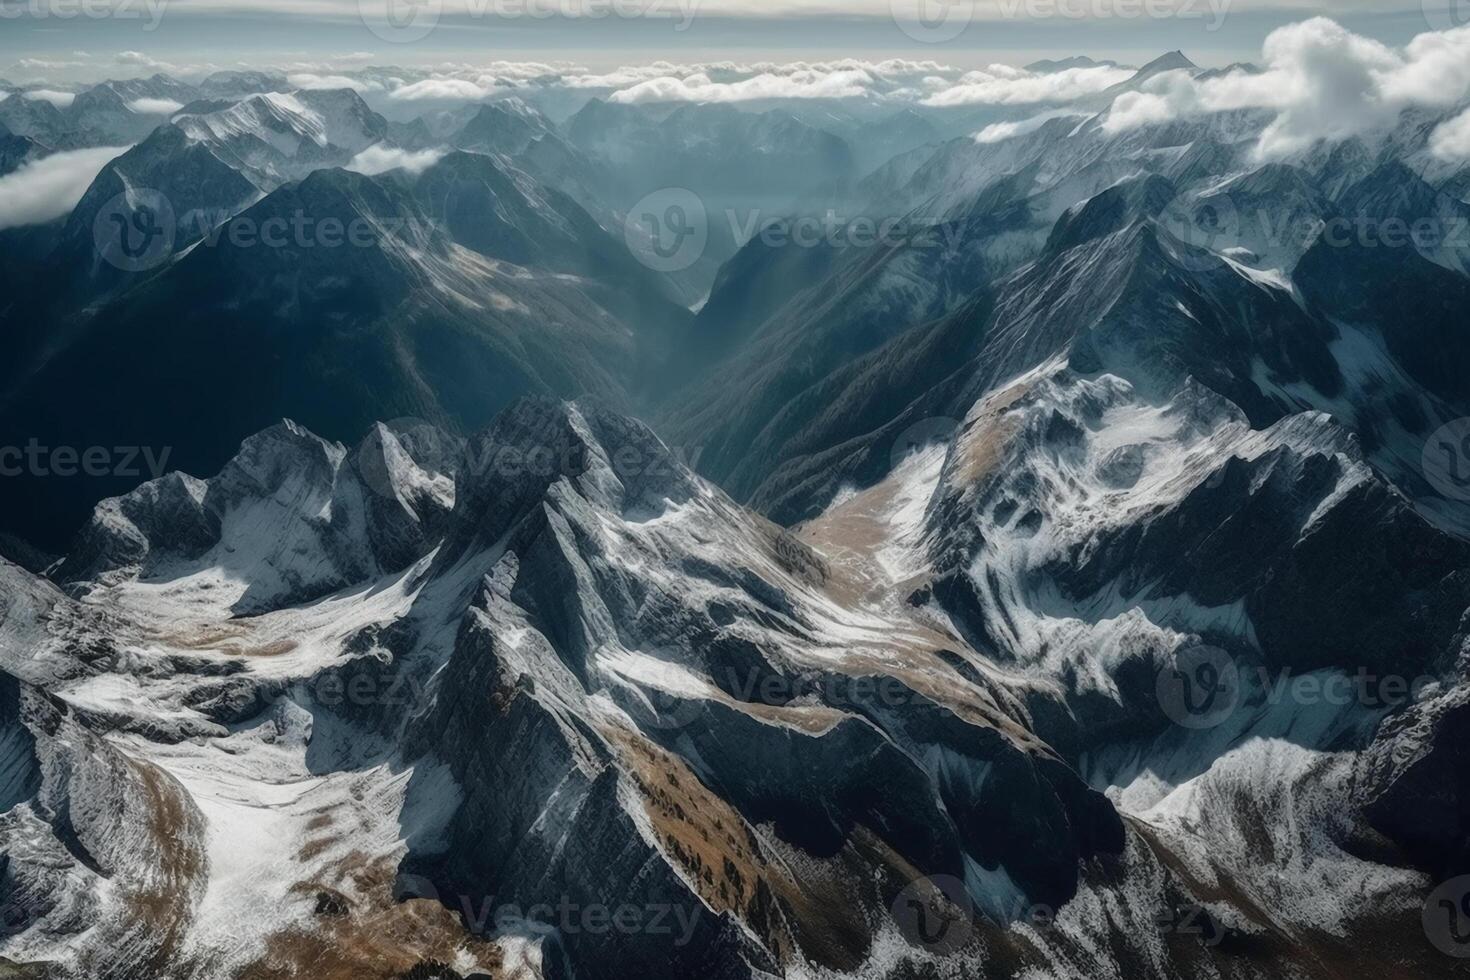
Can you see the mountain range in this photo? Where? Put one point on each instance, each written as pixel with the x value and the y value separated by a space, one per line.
pixel 1069 579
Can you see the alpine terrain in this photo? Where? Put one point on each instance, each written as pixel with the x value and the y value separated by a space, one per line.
pixel 846 518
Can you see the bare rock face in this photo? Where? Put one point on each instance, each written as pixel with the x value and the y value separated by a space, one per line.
pixel 619 694
pixel 1113 625
pixel 297 516
pixel 79 813
pixel 122 530
pixel 1206 525
pixel 1414 777
pixel 548 700
pixel 602 712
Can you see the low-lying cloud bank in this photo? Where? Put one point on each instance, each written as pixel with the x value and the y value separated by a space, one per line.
pixel 378 159
pixel 155 107
pixel 1323 82
pixel 804 84
pixel 50 187
pixel 1001 131
pixel 1451 141
pixel 1004 85
pixel 312 81
pixel 60 100
pixel 662 81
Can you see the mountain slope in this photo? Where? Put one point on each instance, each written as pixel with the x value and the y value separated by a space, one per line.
pixel 336 301
pixel 596 681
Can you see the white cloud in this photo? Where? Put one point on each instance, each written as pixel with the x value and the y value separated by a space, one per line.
pixel 1321 80
pixel 33 65
pixel 314 82
pixel 662 81
pixel 1001 131
pixel 59 99
pixel 1163 97
pixel 1004 85
pixel 1451 140
pixel 629 75
pixel 50 187
pixel 378 159
pixel 155 107
pixel 699 87
pixel 443 90
pixel 137 59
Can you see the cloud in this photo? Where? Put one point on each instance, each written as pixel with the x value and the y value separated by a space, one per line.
pixel 137 59
pixel 1321 80
pixel 314 82
pixel 1004 85
pixel 1451 140
pixel 378 159
pixel 800 84
pixel 629 75
pixel 50 187
pixel 726 81
pixel 1001 131
pixel 33 65
pixel 1163 97
pixel 443 90
pixel 59 99
pixel 155 107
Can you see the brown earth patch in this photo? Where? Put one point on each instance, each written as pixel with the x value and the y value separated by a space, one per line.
pixel 363 934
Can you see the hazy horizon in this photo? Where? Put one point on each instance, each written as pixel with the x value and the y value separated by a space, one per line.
pixel 140 37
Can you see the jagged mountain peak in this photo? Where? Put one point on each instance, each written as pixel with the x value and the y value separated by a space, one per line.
pixel 504 126
pixel 1392 189
pixel 1049 65
pixel 615 463
pixel 200 189
pixel 291 516
pixel 1172 61
pixel 1130 200
pixel 1273 178
pixel 503 213
pixel 242 83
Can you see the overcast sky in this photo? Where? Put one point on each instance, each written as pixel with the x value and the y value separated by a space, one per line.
pixel 51 39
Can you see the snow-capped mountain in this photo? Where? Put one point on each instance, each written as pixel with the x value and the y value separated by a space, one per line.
pixel 279 135
pixel 239 84
pixel 915 669
pixel 36 119
pixel 1057 568
pixel 507 126
pixel 17 150
pixel 454 317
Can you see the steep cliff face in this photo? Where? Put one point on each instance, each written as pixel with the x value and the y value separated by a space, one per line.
pixel 292 517
pixel 560 673
pixel 97 845
pixel 546 700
